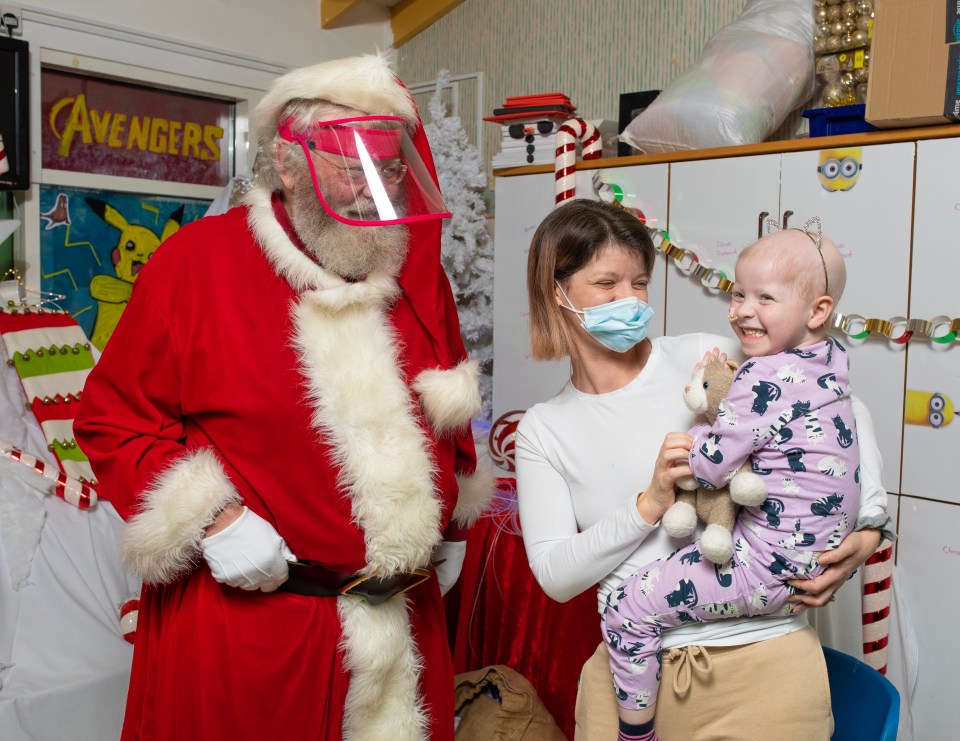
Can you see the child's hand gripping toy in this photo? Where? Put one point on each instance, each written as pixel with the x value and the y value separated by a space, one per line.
pixel 718 508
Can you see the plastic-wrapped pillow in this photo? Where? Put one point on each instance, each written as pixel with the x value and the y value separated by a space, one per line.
pixel 751 75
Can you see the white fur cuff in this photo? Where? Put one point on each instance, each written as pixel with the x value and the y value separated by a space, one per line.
pixel 163 539
pixel 450 398
pixel 476 493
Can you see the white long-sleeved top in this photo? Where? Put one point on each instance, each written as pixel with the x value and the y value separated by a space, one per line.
pixel 582 459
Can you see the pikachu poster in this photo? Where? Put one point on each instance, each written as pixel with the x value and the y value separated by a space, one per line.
pixel 93 245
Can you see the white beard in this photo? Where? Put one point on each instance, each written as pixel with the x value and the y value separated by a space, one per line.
pixel 349 251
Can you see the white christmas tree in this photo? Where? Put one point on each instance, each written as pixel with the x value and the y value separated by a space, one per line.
pixel 466 245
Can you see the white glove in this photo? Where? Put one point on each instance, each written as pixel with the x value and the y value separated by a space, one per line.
pixel 249 553
pixel 452 553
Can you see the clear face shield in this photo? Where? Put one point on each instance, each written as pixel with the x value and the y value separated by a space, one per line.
pixel 366 170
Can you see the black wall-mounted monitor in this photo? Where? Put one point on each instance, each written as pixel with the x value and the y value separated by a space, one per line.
pixel 14 114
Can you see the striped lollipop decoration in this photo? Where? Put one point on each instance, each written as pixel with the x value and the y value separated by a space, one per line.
pixel 501 442
pixel 566 155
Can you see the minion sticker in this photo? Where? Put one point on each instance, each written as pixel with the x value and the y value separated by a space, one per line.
pixel 926 409
pixel 839 169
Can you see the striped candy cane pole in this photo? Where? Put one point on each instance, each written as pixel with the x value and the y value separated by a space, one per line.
pixel 70 490
pixel 877 576
pixel 566 155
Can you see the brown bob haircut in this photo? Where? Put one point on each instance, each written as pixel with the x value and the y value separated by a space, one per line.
pixel 567 240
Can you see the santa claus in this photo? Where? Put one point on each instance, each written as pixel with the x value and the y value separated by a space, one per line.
pixel 283 418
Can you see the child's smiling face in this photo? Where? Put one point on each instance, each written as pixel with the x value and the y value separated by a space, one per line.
pixel 767 312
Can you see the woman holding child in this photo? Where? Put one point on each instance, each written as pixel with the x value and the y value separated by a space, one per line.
pixel 596 468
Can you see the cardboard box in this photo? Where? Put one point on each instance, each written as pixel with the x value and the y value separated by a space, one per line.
pixel 914 63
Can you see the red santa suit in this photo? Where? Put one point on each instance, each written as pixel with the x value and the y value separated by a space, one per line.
pixel 339 412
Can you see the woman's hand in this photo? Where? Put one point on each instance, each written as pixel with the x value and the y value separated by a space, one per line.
pixel 672 464
pixel 840 563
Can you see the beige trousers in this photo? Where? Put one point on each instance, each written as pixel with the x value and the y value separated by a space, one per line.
pixel 773 689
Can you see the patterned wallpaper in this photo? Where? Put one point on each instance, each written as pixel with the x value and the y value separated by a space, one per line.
pixel 592 50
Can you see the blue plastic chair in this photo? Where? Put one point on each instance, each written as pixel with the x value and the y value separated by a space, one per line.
pixel 866 705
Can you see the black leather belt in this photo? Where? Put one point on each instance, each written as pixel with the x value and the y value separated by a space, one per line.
pixel 314 580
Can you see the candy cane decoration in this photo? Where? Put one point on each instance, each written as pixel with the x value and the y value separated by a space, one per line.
pixel 566 154
pixel 70 490
pixel 877 576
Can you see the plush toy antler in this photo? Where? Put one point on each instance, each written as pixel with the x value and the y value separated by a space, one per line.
pixel 718 508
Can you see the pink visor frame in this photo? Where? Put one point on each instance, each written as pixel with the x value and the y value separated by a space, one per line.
pixel 420 188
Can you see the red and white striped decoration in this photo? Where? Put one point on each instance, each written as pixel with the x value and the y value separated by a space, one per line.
pixel 70 490
pixel 501 442
pixel 129 611
pixel 877 578
pixel 566 154
pixel 4 163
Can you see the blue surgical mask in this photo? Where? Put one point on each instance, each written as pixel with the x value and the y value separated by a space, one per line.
pixel 618 325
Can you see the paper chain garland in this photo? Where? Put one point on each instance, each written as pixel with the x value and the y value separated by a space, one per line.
pixel 941 329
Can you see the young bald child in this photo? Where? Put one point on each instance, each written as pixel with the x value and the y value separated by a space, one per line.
pixel 789 413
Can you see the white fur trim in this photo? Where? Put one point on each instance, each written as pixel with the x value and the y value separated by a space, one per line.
pixel 364 410
pixel 384 665
pixel 163 539
pixel 365 83
pixel 476 493
pixel 450 398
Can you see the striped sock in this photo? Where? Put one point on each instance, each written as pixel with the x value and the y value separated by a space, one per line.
pixel 641 732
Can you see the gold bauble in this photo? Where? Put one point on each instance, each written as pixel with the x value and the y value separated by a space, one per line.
pixel 833 94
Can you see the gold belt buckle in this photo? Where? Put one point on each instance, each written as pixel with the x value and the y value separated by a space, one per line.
pixel 416 578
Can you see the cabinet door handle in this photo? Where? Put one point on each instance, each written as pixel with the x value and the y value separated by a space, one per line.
pixel 763 215
pixel 786 217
